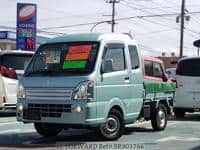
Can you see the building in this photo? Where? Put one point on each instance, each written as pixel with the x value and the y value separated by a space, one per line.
pixel 8 40
pixel 170 62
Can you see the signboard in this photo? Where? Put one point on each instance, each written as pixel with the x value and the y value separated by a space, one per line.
pixel 197 43
pixel 77 57
pixel 3 34
pixel 26 26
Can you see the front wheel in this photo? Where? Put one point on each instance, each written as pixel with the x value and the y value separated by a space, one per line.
pixel 114 127
pixel 159 118
pixel 48 130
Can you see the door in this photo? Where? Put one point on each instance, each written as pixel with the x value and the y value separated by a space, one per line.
pixel 136 81
pixel 113 85
pixel 188 79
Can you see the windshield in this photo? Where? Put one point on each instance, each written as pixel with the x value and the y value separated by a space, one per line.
pixel 63 59
pixel 189 67
pixel 15 61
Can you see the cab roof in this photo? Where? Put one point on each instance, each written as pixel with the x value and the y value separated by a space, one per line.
pixel 150 58
pixel 88 37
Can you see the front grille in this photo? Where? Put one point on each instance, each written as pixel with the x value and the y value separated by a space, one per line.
pixel 49 110
pixel 49 94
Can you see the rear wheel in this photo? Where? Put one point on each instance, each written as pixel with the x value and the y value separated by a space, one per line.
pixel 48 130
pixel 179 113
pixel 159 118
pixel 114 127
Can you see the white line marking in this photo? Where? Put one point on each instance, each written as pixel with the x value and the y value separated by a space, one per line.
pixel 2 124
pixel 147 123
pixel 178 138
pixel 17 131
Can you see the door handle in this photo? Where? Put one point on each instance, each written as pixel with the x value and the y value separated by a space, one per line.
pixel 126 78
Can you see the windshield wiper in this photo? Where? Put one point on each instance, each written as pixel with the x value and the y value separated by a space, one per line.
pixel 55 72
pixel 76 71
pixel 41 71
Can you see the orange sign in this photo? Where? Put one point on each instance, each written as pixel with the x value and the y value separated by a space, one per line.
pixel 80 56
pixel 80 49
pixel 78 52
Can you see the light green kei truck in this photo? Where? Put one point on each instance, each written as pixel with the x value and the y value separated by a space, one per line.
pixel 93 81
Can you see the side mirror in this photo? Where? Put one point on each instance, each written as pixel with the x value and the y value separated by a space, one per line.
pixel 26 64
pixel 165 77
pixel 107 66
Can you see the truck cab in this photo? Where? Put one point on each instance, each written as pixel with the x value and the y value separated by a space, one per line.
pixel 87 80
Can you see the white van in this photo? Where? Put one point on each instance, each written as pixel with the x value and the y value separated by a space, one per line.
pixel 187 97
pixel 11 69
pixel 171 72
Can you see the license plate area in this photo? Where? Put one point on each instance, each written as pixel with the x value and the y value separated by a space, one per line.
pixel 29 114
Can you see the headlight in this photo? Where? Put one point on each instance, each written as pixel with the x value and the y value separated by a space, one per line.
pixel 84 91
pixel 20 91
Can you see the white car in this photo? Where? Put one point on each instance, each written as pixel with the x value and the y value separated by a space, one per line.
pixel 11 69
pixel 187 97
pixel 171 72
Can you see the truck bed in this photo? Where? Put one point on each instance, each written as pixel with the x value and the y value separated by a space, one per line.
pixel 159 90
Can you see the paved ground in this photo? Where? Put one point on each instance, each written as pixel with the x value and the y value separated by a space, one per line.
pixel 179 135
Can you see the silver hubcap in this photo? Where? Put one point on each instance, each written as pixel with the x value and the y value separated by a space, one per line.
pixel 161 118
pixel 111 124
pixel 111 127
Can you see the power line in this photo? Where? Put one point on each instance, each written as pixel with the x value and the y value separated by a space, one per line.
pixel 195 20
pixel 149 12
pixel 140 9
pixel 39 31
pixel 170 28
pixel 170 2
pixel 154 21
pixel 119 19
pixel 160 24
pixel 152 8
pixel 155 32
pixel 73 25
pixel 160 7
pixel 191 30
pixel 147 48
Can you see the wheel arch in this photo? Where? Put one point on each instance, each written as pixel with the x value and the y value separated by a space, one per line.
pixel 166 103
pixel 117 107
pixel 117 104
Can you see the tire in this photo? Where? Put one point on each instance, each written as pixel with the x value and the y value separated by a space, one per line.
pixel 179 113
pixel 47 130
pixel 159 118
pixel 114 126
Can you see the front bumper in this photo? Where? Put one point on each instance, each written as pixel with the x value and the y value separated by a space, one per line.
pixel 72 112
pixel 8 108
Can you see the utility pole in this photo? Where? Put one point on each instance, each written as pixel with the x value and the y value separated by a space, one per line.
pixel 113 2
pixel 182 27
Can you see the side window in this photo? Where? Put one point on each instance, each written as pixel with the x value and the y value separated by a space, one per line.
pixel 134 57
pixel 157 70
pixel 115 54
pixel 148 66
